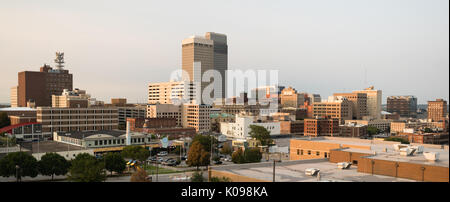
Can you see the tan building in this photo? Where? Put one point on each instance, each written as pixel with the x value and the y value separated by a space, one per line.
pixel 77 119
pixel 171 92
pixel 359 103
pixel 14 101
pixel 197 116
pixel 335 107
pixel 291 98
pixel 165 111
pixel 118 101
pixel 373 101
pixel 382 124
pixel 437 110
pixel 352 130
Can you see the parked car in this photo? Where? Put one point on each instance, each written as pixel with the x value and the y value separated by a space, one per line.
pixel 218 162
pixel 163 153
pixel 172 162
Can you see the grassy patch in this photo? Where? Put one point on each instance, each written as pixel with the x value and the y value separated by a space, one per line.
pixel 152 169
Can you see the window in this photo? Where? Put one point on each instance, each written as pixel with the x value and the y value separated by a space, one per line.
pixel 309 152
pixel 301 152
pixel 298 152
pixel 318 153
pixel 96 142
pixel 355 162
pixel 326 155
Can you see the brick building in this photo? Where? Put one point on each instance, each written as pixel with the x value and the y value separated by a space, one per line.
pixel 359 103
pixel 405 106
pixel 437 110
pixel 321 127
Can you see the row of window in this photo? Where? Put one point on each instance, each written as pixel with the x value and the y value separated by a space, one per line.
pixel 309 152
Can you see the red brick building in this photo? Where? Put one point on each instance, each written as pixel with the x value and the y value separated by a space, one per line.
pixel 321 127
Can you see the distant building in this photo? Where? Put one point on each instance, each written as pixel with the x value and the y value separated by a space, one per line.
pixel 173 92
pixel 197 116
pixel 353 130
pixel 40 86
pixel 74 99
pixel 290 98
pixel 119 102
pixel 14 96
pixel 165 111
pixel 405 106
pixel 437 110
pixel 241 127
pixel 321 127
pixel 335 107
pixel 359 103
pixel 373 101
pixel 383 125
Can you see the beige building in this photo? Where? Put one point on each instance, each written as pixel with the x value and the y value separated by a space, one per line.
pixel 381 124
pixel 14 101
pixel 359 103
pixel 197 116
pixel 171 92
pixel 291 98
pixel 76 119
pixel 335 107
pixel 165 111
pixel 74 99
pixel 374 100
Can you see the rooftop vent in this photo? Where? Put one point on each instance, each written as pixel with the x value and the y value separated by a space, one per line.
pixel 311 171
pixel 344 165
pixel 431 156
pixel 397 147
pixel 419 149
pixel 407 151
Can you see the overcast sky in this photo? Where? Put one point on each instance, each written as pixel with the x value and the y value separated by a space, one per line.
pixel 115 48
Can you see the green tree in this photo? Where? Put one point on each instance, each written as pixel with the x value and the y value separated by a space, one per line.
pixel 28 165
pixel 139 176
pixel 197 177
pixel 4 120
pixel 397 139
pixel 220 179
pixel 260 133
pixel 52 164
pixel 252 155
pixel 372 130
pixel 135 152
pixel 86 168
pixel 428 130
pixel 114 162
pixel 197 156
pixel 238 156
pixel 205 140
pixel 227 149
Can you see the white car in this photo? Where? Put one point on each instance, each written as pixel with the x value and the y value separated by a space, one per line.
pixel 163 153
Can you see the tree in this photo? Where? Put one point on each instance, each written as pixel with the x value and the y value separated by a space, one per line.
pixel 135 152
pixel 139 176
pixel 197 156
pixel 52 164
pixel 372 130
pixel 220 179
pixel 397 139
pixel 227 149
pixel 260 133
pixel 238 156
pixel 428 130
pixel 28 165
pixel 197 177
pixel 205 140
pixel 252 155
pixel 114 162
pixel 4 120
pixel 86 168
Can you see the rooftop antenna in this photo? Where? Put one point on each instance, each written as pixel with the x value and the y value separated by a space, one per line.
pixel 59 60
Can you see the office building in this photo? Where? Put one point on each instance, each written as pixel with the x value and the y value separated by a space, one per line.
pixel 220 59
pixel 405 106
pixel 241 127
pixel 197 116
pixel 437 110
pixel 13 96
pixel 173 92
pixel 373 101
pixel 321 127
pixel 381 124
pixel 40 86
pixel 165 111
pixel 291 98
pixel 335 107
pixel 352 130
pixel 359 103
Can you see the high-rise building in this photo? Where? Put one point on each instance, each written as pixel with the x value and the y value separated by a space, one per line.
pixel 437 110
pixel 339 108
pixel 359 103
pixel 220 58
pixel 405 106
pixel 373 101
pixel 197 116
pixel 40 86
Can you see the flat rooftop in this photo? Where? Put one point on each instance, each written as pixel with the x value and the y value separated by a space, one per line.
pixel 294 171
pixel 384 150
pixel 50 146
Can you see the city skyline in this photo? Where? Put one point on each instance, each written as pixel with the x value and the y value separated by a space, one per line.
pixel 102 49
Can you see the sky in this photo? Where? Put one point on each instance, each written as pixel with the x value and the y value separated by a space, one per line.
pixel 115 48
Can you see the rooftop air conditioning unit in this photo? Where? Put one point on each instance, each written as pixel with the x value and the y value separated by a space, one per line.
pixel 397 147
pixel 419 149
pixel 407 151
pixel 344 165
pixel 311 171
pixel 431 156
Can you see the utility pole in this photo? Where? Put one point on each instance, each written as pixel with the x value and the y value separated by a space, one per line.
pixel 274 170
